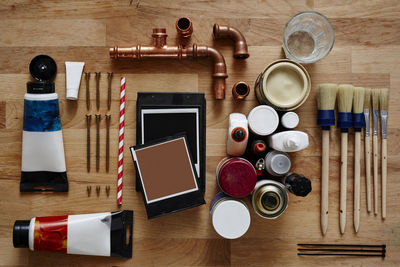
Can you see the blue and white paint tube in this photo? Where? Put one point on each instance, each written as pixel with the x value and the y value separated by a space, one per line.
pixel 43 161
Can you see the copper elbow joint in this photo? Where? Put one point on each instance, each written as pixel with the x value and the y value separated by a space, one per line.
pixel 240 50
pixel 184 27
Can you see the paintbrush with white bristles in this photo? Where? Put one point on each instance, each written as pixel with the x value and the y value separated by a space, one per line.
pixel 358 124
pixel 384 103
pixel 375 116
pixel 367 105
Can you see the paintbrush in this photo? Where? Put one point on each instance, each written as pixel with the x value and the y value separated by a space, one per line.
pixel 358 124
pixel 326 98
pixel 345 102
pixel 375 115
pixel 384 103
pixel 367 105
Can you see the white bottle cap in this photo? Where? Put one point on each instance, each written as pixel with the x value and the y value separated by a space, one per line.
pixel 231 219
pixel 277 163
pixel 290 120
pixel 292 142
pixel 73 74
pixel 263 120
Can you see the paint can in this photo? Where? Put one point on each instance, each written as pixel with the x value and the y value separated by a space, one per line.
pixel 269 199
pixel 229 217
pixel 284 84
pixel 236 176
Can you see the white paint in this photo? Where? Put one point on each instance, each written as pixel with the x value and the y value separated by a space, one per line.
pixel 263 120
pixel 89 234
pixel 288 141
pixel 230 218
pixel 43 151
pixel 233 147
pixel 73 74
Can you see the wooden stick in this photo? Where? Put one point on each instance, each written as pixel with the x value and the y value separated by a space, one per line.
pixel 375 150
pixel 357 153
pixel 343 182
pixel 368 171
pixel 384 176
pixel 325 181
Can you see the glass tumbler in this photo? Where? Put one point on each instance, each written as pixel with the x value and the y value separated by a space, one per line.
pixel 308 37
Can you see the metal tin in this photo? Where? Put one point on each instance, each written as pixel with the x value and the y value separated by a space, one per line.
pixel 269 199
pixel 261 91
pixel 236 176
pixel 229 217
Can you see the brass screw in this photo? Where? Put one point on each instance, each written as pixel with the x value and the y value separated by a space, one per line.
pixel 109 76
pixel 87 78
pixel 88 119
pixel 97 90
pixel 98 190
pixel 108 118
pixel 89 190
pixel 98 117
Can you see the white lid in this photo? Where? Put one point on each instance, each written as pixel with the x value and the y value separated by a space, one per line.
pixel 290 120
pixel 280 164
pixel 231 219
pixel 263 120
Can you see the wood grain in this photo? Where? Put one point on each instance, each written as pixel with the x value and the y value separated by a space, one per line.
pixel 366 53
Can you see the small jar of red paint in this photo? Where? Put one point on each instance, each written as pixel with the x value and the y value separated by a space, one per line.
pixel 236 177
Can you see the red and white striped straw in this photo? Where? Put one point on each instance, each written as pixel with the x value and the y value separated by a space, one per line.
pixel 121 140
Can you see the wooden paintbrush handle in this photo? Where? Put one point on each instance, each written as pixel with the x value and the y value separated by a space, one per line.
pixel 325 181
pixel 357 153
pixel 375 151
pixel 343 182
pixel 384 176
pixel 368 171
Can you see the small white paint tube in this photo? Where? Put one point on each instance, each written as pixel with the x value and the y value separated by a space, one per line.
pixel 73 74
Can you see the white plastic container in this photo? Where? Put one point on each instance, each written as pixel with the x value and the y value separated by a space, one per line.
pixel 290 120
pixel 288 141
pixel 277 163
pixel 263 120
pixel 229 217
pixel 238 134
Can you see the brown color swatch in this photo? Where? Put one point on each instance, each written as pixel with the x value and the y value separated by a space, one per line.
pixel 165 169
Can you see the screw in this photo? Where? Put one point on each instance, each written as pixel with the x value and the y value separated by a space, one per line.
pixel 89 190
pixel 108 190
pixel 97 90
pixel 109 76
pixel 88 119
pixel 98 190
pixel 87 78
pixel 98 117
pixel 108 118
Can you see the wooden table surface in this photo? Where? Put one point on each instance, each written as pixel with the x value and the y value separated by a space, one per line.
pixel 366 53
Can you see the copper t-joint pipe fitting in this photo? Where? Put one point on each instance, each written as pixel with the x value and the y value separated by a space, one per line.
pixel 161 50
pixel 240 51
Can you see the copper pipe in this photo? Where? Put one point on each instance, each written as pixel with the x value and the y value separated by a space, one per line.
pixel 184 27
pixel 240 51
pixel 161 50
pixel 240 90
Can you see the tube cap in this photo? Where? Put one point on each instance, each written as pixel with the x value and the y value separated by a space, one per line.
pixel 21 234
pixel 43 68
pixel 238 134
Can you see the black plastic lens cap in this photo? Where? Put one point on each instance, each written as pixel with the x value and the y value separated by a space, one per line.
pixel 43 68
